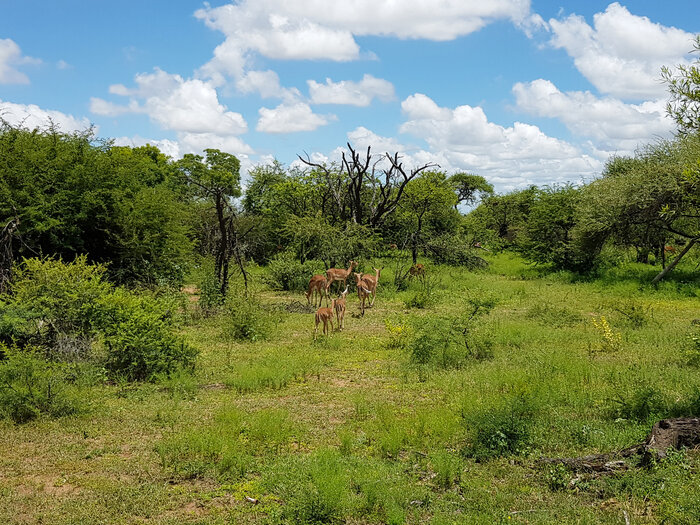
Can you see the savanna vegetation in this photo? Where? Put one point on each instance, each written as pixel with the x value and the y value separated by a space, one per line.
pixel 158 361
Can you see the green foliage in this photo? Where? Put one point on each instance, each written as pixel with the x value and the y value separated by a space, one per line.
pixel 285 272
pixel 549 230
pixel 684 90
pixel 502 430
pixel 454 250
pixel 62 298
pixel 245 319
pixel 692 345
pixel 643 404
pixel 75 195
pixel 65 306
pixel 31 387
pixel 137 332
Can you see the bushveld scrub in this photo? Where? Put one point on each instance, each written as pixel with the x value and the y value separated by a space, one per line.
pixel 71 313
pixel 345 430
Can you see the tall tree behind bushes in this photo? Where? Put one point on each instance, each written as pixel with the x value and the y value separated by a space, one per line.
pixel 76 195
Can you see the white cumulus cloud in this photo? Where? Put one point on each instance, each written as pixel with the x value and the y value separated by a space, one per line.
pixel 10 58
pixel 351 93
pixel 622 54
pixel 32 116
pixel 611 124
pixel 290 118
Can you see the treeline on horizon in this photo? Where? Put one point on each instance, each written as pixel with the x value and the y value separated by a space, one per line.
pixel 150 217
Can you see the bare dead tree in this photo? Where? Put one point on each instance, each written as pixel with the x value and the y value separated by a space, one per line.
pixel 363 191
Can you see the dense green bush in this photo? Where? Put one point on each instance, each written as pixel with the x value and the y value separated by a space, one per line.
pixel 502 430
pixel 31 387
pixel 245 319
pixel 454 250
pixel 285 272
pixel 70 311
pixel 137 332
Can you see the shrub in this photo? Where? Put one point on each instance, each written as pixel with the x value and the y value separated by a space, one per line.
pixel 502 430
pixel 31 387
pixel 285 272
pixel 246 319
pixel 138 335
pixel 454 250
pixel 641 405
pixel 65 307
pixel 55 298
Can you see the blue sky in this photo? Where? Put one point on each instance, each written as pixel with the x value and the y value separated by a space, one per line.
pixel 518 91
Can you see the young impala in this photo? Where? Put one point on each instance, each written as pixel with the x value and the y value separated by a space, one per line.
pixel 363 291
pixel 317 285
pixel 372 281
pixel 340 308
pixel 324 315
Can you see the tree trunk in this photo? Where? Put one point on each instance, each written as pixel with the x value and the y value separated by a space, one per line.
pixel 675 261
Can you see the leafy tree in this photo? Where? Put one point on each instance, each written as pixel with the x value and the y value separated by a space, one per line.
pixel 656 191
pixel 684 90
pixel 470 188
pixel 427 207
pixel 549 229
pixel 216 178
pixel 75 195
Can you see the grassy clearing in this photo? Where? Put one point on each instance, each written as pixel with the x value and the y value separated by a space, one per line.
pixel 355 429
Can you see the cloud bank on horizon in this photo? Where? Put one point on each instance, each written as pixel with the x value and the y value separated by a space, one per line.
pixel 250 97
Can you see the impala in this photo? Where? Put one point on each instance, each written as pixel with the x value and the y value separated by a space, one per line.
pixel 317 285
pixel 340 309
pixel 363 291
pixel 372 281
pixel 338 274
pixel 417 270
pixel 324 315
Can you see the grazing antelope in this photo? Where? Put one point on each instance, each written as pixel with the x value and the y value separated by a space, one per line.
pixel 338 274
pixel 363 291
pixel 324 315
pixel 340 309
pixel 317 285
pixel 372 281
pixel 417 270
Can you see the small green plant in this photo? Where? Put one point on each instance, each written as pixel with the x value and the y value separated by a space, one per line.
pixel 636 313
pixel 31 387
pixel 691 350
pixel 502 430
pixel 641 405
pixel 447 468
pixel 246 319
pixel 610 340
pixel 557 477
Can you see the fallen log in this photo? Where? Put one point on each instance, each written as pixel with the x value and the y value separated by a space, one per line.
pixel 665 434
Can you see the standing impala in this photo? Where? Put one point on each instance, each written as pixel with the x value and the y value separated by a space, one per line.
pixel 324 315
pixel 363 291
pixel 371 281
pixel 340 308
pixel 317 285
pixel 338 274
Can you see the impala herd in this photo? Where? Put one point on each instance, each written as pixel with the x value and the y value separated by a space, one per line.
pixel 321 285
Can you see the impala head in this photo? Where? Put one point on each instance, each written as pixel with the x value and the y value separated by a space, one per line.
pixel 353 264
pixel 378 271
pixel 358 277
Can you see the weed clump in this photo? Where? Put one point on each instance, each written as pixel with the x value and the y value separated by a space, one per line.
pixel 501 430
pixel 31 387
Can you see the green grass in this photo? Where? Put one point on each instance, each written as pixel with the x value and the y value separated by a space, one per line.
pixel 350 429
